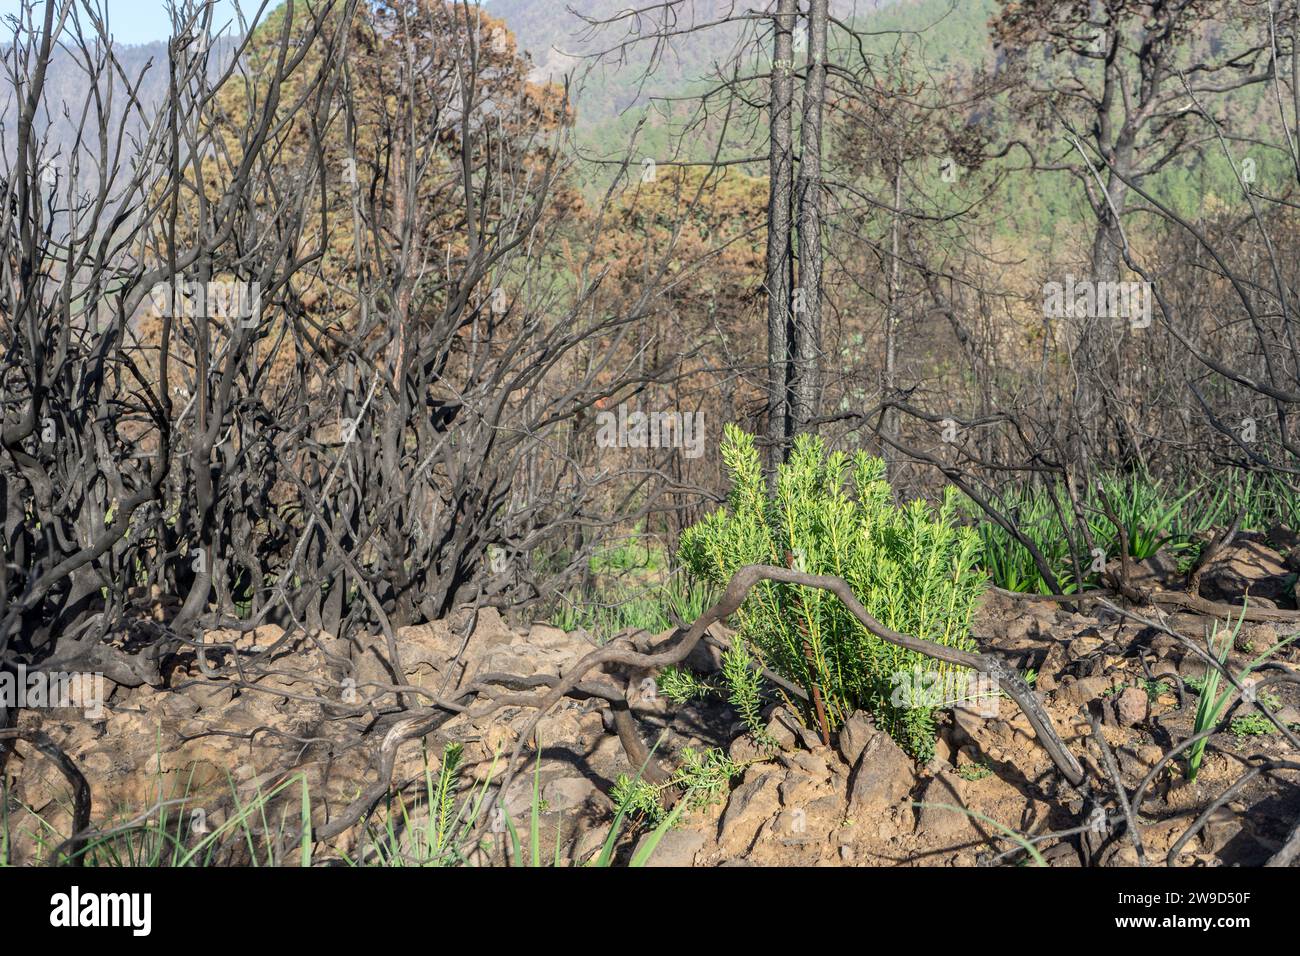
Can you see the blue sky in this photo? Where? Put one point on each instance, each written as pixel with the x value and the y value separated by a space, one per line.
pixel 143 21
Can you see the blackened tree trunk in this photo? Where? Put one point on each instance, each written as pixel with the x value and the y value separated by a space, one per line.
pixel 806 391
pixel 780 265
pixel 889 420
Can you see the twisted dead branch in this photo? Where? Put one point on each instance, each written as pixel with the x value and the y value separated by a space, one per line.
pixel 70 851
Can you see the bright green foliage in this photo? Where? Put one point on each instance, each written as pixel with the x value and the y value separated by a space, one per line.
pixel 1148 512
pixel 623 605
pixel 1262 501
pixel 702 778
pixel 1155 514
pixel 911 566
pixel 974 771
pixel 746 686
pixel 443 799
pixel 1250 725
pixel 638 799
pixel 1155 688
pixel 1037 513
pixel 682 685
pixel 1212 704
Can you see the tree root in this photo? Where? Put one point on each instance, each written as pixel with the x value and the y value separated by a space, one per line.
pixel 71 849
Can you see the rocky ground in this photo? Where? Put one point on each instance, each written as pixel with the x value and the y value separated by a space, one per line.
pixel 860 801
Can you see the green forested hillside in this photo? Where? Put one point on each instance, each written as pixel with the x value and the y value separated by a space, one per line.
pixel 938 40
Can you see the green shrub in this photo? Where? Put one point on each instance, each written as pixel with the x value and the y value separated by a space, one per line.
pixel 619 606
pixel 1035 512
pixel 1149 511
pixel 1250 725
pixel 682 685
pixel 1155 514
pixel 911 566
pixel 701 779
pixel 1212 704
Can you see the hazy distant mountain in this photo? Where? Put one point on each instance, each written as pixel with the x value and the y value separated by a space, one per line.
pixel 560 42
pixel 68 94
pixel 553 32
pixel 608 96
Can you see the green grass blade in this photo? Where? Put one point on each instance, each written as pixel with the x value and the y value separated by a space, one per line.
pixel 651 843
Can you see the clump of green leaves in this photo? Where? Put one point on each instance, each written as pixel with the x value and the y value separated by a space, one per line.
pixel 1151 514
pixel 701 777
pixel 1155 514
pixel 1148 512
pixel 443 797
pixel 682 685
pixel 743 684
pixel 1041 516
pixel 1190 555
pixel 912 566
pixel 916 731
pixel 638 799
pixel 1212 704
pixel 1155 688
pixel 1250 725
pixel 746 689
